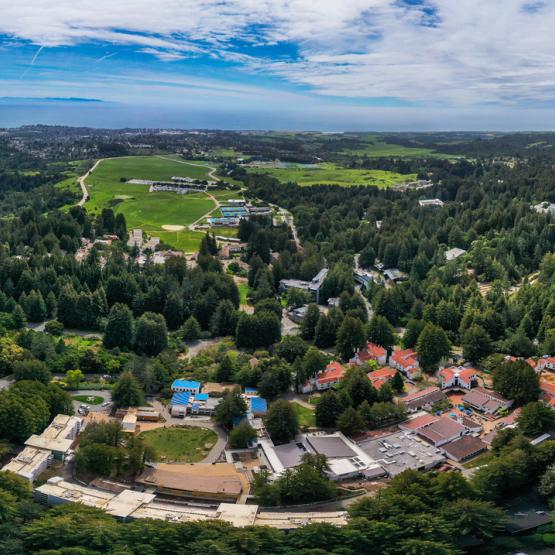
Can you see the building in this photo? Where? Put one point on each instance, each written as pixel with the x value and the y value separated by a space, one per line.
pixel 486 401
pixel 129 423
pixel 370 352
pixel 547 393
pixel 345 458
pixel 131 505
pixel 186 386
pixel 424 399
pixel 380 377
pixel 184 403
pixel 259 211
pixel 298 314
pixel 135 238
pixel 545 208
pixel 437 430
pixel 406 362
pixel 464 448
pixel 58 437
pixel 546 363
pixel 258 406
pixel 331 375
pixel 453 254
pixel 202 481
pixel 30 463
pixel 394 275
pixel 363 278
pixel 457 377
pixel 430 202
pixel 402 451
pixel 313 286
pixel 144 414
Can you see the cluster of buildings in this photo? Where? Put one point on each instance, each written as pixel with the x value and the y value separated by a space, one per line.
pixel 187 399
pixel 128 505
pixel 313 286
pixel 430 202
pixel 87 245
pixel 179 185
pixel 147 249
pixel 545 208
pixel 54 444
pixel 236 210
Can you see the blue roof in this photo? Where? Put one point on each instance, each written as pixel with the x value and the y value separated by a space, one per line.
pixel 189 384
pixel 250 390
pixel 201 397
pixel 196 406
pixel 180 398
pixel 258 404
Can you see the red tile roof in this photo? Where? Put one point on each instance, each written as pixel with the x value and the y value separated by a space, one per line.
pixel 547 388
pixel 421 393
pixel 333 372
pixel 405 358
pixel 418 422
pixel 385 372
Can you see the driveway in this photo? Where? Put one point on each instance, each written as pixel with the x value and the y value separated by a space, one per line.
pixel 105 394
pixel 199 422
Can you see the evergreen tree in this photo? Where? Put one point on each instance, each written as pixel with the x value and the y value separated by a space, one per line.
pixel 476 343
pixel 224 320
pixel 190 330
pixel 281 421
pixel 381 332
pixel 225 369
pixel 151 336
pixel 397 383
pixel 328 409
pixel 127 392
pixel 432 346
pixel 119 327
pixel 350 422
pixel 350 337
pixel 310 321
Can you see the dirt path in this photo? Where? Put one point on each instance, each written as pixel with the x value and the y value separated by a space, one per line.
pixel 81 181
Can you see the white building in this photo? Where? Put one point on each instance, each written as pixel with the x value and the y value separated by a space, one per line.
pixel 30 463
pixel 58 437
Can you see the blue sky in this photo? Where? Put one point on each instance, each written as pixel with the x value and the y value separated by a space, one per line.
pixel 331 64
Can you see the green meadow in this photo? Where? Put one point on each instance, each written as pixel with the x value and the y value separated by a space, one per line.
pixel 332 174
pixel 150 211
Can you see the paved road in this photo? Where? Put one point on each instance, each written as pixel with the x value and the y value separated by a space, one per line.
pixel 105 394
pixel 199 422
pixel 81 181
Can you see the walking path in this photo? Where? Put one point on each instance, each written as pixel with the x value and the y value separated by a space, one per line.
pixel 81 181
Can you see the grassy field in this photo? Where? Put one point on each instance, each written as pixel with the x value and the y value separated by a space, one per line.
pixel 185 444
pixel 305 416
pixel 150 211
pixel 243 292
pixel 331 174
pixel 88 399
pixel 375 147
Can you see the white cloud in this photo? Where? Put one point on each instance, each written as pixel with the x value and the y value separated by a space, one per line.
pixel 452 52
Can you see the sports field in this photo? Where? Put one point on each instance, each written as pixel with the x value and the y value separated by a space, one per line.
pixel 332 174
pixel 150 211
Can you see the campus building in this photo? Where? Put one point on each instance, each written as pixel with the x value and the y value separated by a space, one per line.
pixel 457 377
pixel 370 352
pixel 327 378
pixel 406 361
pixel 58 437
pixel 313 286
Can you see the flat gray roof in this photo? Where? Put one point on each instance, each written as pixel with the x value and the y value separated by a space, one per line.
pixel 331 446
pixel 400 451
pixel 289 454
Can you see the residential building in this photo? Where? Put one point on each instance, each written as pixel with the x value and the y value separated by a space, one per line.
pixel 380 377
pixel 457 377
pixel 135 238
pixel 363 278
pixel 406 362
pixel 186 386
pixel 424 399
pixel 370 352
pixel 486 400
pixel 331 375
pixel 464 448
pixel 453 254
pixel 547 392
pixel 298 314
pixel 546 363
pixel 545 208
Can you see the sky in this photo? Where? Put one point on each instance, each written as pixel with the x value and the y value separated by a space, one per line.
pixel 279 64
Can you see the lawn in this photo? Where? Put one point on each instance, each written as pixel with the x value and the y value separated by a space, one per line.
pixel 305 416
pixel 332 174
pixel 244 290
pixel 150 211
pixel 183 444
pixel 89 399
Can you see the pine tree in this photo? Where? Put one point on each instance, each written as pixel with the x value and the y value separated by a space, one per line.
pixel 127 392
pixel 119 328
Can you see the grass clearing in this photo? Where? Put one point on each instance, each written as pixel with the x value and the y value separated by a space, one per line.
pixel 89 399
pixel 150 211
pixel 244 290
pixel 183 444
pixel 306 416
pixel 332 174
